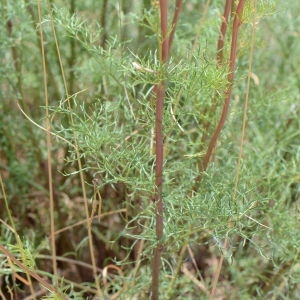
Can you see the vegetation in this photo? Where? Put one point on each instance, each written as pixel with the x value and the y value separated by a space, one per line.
pixel 149 149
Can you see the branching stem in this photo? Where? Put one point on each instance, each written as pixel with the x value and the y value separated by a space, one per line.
pixel 233 53
pixel 223 30
pixel 160 91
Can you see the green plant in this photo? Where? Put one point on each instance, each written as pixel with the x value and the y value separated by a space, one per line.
pixel 163 161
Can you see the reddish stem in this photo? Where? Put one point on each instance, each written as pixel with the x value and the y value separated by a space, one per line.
pixel 175 21
pixel 159 91
pixel 235 30
pixel 220 46
pixel 164 30
pixel 223 30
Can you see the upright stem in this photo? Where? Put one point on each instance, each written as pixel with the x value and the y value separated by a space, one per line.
pixel 103 23
pixel 72 56
pixel 49 145
pixel 238 169
pixel 174 21
pixel 80 167
pixel 159 91
pixel 158 198
pixel 220 47
pixel 223 30
pixel 164 30
pixel 236 25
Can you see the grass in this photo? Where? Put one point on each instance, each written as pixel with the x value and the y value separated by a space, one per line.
pixel 146 155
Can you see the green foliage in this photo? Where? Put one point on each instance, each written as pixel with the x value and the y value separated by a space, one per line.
pixel 106 112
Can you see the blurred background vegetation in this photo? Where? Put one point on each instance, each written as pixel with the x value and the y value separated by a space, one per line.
pixel 99 86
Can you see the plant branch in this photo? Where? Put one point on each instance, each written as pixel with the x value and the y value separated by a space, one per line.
pixel 233 53
pixel 103 23
pixel 159 90
pixel 49 146
pixel 238 169
pixel 175 21
pixel 78 158
pixel 223 29
pixel 72 57
pixel 26 270
pixel 220 46
pixel 163 4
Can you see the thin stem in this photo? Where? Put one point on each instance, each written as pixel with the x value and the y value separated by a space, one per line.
pixel 236 25
pixel 223 29
pixel 13 229
pixel 159 90
pixel 103 23
pixel 80 167
pixel 49 145
pixel 164 30
pixel 72 57
pixel 179 260
pixel 220 46
pixel 42 281
pixel 218 272
pixel 220 263
pixel 52 79
pixel 238 169
pixel 175 21
pixel 171 38
pixel 159 148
